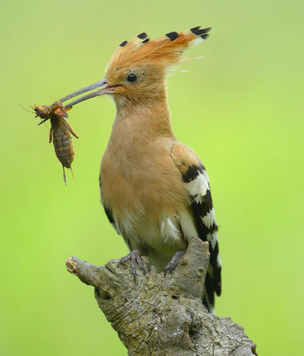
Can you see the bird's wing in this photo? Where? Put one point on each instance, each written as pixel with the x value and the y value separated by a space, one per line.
pixel 196 183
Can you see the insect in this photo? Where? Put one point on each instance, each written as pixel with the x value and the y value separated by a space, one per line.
pixel 60 132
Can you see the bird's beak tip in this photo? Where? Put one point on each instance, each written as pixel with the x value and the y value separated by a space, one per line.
pixel 102 87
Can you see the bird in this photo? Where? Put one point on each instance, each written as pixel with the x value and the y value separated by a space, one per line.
pixel 155 190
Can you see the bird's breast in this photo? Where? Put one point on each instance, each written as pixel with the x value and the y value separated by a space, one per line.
pixel 143 189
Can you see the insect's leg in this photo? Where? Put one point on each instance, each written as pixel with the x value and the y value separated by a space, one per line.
pixel 51 135
pixel 71 130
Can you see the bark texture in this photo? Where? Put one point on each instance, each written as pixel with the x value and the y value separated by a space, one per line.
pixel 157 315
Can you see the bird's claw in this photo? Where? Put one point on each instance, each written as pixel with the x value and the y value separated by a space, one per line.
pixel 173 262
pixel 135 258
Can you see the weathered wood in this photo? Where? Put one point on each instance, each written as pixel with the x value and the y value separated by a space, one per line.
pixel 157 315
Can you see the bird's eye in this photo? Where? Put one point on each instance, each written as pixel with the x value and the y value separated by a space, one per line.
pixel 131 78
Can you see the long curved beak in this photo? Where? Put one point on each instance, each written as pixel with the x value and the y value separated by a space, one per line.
pixel 102 86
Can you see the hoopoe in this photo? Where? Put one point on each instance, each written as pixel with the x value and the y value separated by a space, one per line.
pixel 154 189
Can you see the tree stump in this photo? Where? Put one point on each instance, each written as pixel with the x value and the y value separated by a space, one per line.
pixel 163 315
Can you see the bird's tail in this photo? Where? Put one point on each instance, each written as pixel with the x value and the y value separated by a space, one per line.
pixel 213 277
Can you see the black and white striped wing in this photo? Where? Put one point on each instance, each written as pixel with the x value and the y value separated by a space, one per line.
pixel 196 182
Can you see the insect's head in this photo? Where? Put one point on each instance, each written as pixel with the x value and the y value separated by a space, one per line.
pixel 41 111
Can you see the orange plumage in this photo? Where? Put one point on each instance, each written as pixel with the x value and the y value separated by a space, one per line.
pixel 162 51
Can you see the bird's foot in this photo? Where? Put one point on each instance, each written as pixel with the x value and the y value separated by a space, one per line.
pixel 174 262
pixel 135 258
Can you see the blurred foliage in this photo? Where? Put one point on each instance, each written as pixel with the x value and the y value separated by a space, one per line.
pixel 240 108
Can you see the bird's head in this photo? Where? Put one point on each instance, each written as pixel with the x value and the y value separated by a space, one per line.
pixel 137 70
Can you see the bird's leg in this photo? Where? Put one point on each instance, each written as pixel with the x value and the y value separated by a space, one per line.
pixel 135 257
pixel 174 262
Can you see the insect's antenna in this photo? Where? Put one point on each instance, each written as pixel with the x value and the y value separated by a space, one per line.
pixel 24 108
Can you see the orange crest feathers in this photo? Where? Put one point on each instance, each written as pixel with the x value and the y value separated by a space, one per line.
pixel 164 51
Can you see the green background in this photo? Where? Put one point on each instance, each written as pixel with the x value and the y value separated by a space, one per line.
pixel 240 108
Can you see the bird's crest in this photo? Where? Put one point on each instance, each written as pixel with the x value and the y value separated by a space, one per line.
pixel 164 51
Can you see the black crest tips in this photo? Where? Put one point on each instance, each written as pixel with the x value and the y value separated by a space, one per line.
pixel 195 28
pixel 123 43
pixel 172 35
pixel 199 32
pixel 146 40
pixel 142 36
